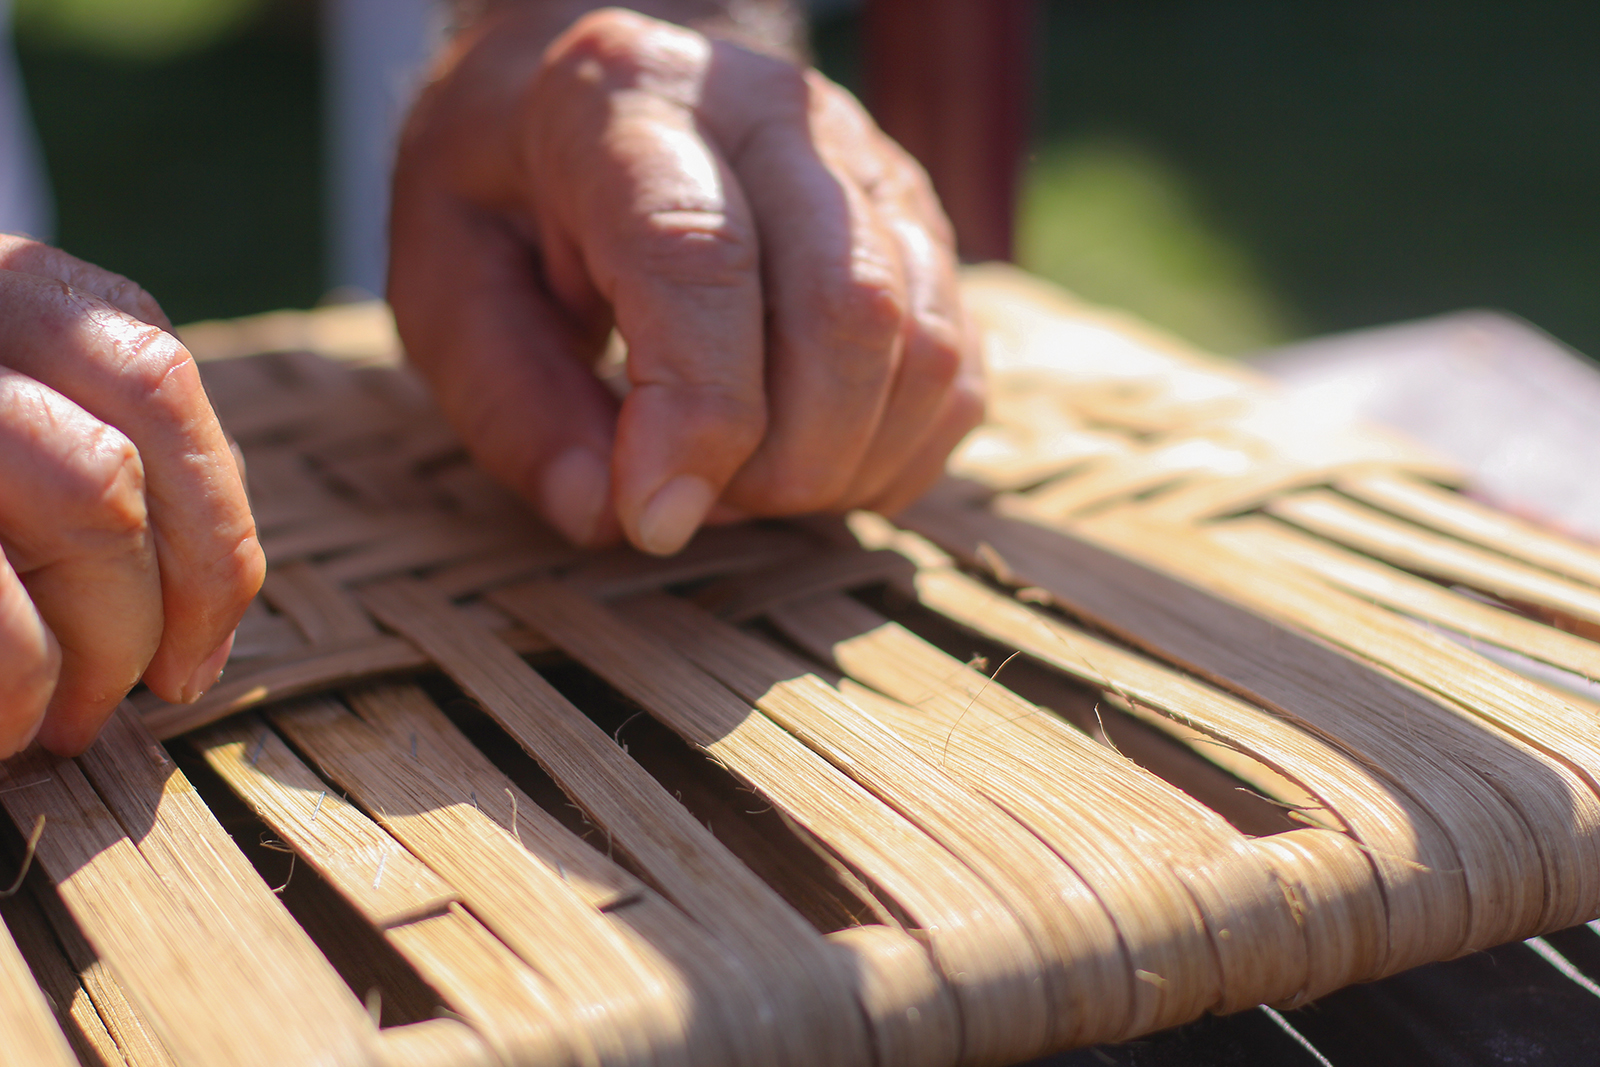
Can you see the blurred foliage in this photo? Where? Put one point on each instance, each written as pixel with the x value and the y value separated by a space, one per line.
pixel 1379 159
pixel 198 175
pixel 1118 225
pixel 150 30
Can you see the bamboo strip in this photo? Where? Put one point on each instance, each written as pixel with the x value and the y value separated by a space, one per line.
pixel 1135 473
pixel 1410 595
pixel 320 609
pixel 28 1030
pixel 213 1000
pixel 1084 956
pixel 387 885
pixel 191 853
pixel 819 1020
pixel 301 672
pixel 1028 446
pixel 1554 790
pixel 262 632
pixel 1114 823
pixel 1414 548
pixel 745 596
pixel 714 552
pixel 329 531
pixel 1208 497
pixel 418 549
pixel 490 569
pixel 971 932
pixel 138 1046
pixel 1415 742
pixel 434 1043
pixel 284 495
pixel 1328 880
pixel 1429 505
pixel 622 1006
pixel 75 1012
pixel 1394 833
pixel 509 1006
pixel 897 978
pixel 720 1008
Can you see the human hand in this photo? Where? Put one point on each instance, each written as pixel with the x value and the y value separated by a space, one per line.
pixel 781 272
pixel 128 546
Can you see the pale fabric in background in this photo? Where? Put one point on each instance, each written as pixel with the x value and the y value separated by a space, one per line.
pixel 375 53
pixel 24 194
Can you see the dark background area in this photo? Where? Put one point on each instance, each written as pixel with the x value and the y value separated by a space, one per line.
pixel 1243 172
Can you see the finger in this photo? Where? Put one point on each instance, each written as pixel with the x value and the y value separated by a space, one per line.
pixel 74 527
pixel 509 368
pixel 664 232
pixel 833 283
pixel 962 410
pixel 32 663
pixel 31 257
pixel 936 346
pixel 141 380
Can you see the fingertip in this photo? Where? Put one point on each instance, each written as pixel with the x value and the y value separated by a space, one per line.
pixel 68 736
pixel 673 514
pixel 575 494
pixel 27 736
pixel 32 658
pixel 205 676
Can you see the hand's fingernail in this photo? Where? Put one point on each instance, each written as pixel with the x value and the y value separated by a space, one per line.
pixel 206 675
pixel 674 514
pixel 577 490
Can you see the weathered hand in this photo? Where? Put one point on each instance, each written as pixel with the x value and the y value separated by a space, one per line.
pixel 781 272
pixel 128 545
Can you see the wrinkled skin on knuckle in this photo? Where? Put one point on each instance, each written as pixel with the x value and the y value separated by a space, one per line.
pixel 161 378
pixel 132 298
pixel 27 256
pixel 105 493
pixel 864 313
pixel 934 352
pixel 614 48
pixel 747 93
pixel 721 416
pixel 692 247
pixel 234 578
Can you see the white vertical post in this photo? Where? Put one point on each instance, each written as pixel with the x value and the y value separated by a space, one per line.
pixel 375 52
pixel 25 205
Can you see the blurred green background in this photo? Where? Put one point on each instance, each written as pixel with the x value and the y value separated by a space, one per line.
pixel 1241 172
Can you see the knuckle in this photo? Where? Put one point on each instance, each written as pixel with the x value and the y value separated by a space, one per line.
pixel 966 406
pixel 235 577
pixel 132 298
pixel 617 46
pixel 603 36
pixel 933 353
pixel 737 422
pixel 694 248
pixel 862 311
pixel 163 380
pixel 105 487
pixel 782 88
